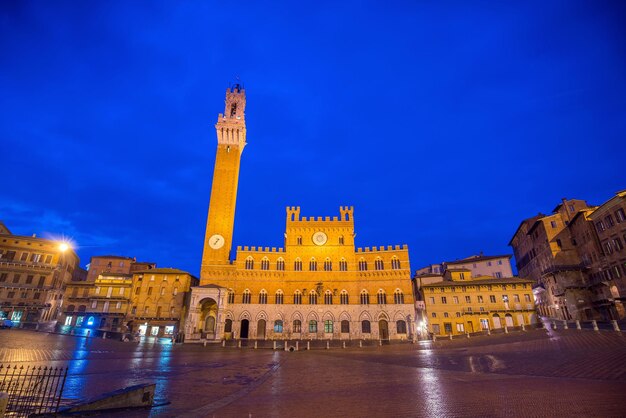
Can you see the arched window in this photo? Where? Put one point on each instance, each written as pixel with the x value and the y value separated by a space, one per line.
pixel 343 265
pixel 312 325
pixel 228 325
pixel 297 325
pixel 279 297
pixel 297 265
pixel 365 297
pixel 328 326
pixel 299 240
pixel 278 326
pixel 231 296
pixel 398 297
pixel 340 239
pixel 280 264
pixel 382 297
pixel 328 265
pixel 297 298
pixel 362 265
pixel 312 265
pixel 263 297
pixel 401 327
pixel 82 308
pixel 366 327
pixel 345 327
pixel 434 315
pixel 233 110
pixel 249 263
pixel 395 263
pixel 343 298
pixel 70 308
pixel 245 298
pixel 328 298
pixel 378 264
pixel 265 264
pixel 312 298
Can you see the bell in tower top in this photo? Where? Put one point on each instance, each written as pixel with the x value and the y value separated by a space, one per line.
pixel 235 102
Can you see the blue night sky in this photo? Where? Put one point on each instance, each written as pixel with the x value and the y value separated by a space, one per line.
pixel 443 125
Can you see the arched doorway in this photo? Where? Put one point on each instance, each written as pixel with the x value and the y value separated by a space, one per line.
pixel 208 318
pixel 508 318
pixel 245 325
pixel 383 329
pixel 260 329
pixel 496 321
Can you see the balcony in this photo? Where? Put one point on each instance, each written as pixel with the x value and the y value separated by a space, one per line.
pixel 25 265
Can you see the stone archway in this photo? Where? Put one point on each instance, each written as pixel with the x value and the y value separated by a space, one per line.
pixel 383 329
pixel 245 326
pixel 208 318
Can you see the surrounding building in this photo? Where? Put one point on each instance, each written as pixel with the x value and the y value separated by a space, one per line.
pixel 33 275
pixel 460 304
pixel 479 265
pixel 576 259
pixel 159 301
pixel 318 286
pixel 114 264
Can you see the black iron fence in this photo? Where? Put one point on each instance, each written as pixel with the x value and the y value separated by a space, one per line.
pixel 32 389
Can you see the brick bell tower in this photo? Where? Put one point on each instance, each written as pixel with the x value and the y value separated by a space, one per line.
pixel 231 139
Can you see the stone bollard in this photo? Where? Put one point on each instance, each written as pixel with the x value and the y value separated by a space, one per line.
pixel 467 334
pixel 239 344
pixel 488 331
pixel 615 325
pixel 360 343
pixel 343 344
pixel 565 325
pixel 274 345
pixel 450 336
pixel 506 329
pixel 88 333
pixel 204 343
pixel 545 325
pixel 223 343
pixel 523 327
pixel 380 342
pixel 286 345
pixel 308 345
pixel 37 327
pixel 327 344
pixel 434 338
pixel 554 324
pixel 297 345
pixel 595 325
pixel 578 324
pixel 104 335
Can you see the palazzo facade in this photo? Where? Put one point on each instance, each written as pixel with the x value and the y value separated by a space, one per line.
pixel 318 286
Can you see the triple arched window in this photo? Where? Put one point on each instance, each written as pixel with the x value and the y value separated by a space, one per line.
pixel 297 265
pixel 279 297
pixel 231 296
pixel 245 298
pixel 398 297
pixel 328 298
pixel 297 298
pixel 313 265
pixel 265 264
pixel 328 265
pixel 263 297
pixel 343 265
pixel 382 297
pixel 343 298
pixel 379 264
pixel 362 265
pixel 365 297
pixel 312 298
pixel 249 263
pixel 280 264
pixel 395 263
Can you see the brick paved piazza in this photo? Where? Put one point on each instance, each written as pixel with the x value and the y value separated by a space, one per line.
pixel 539 373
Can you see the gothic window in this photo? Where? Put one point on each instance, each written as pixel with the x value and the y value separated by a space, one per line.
pixel 265 264
pixel 398 297
pixel 366 327
pixel 231 296
pixel 343 265
pixel 395 263
pixel 313 265
pixel 382 297
pixel 328 326
pixel 263 297
pixel 378 264
pixel 362 265
pixel 297 298
pixel 328 298
pixel 343 298
pixel 345 327
pixel 245 298
pixel 297 265
pixel 228 325
pixel 279 297
pixel 297 325
pixel 312 298
pixel 249 263
pixel 278 326
pixel 365 297
pixel 299 240
pixel 401 327
pixel 340 239
pixel 312 325
pixel 280 264
pixel 233 110
pixel 328 265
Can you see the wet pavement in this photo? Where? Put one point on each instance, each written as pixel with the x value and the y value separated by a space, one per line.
pixel 537 373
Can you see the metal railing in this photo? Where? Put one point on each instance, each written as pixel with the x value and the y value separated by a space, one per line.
pixel 32 389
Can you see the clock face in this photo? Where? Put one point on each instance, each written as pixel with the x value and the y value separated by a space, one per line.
pixel 319 238
pixel 216 241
